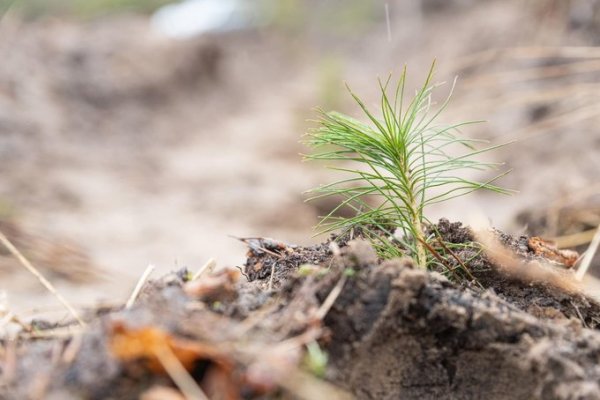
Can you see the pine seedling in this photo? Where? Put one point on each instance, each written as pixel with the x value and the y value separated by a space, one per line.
pixel 395 165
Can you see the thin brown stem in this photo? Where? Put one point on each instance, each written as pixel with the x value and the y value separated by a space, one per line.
pixel 438 257
pixel 458 260
pixel 34 271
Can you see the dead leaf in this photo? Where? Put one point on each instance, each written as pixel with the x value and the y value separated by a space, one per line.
pixel 144 343
pixel 528 271
pixel 549 251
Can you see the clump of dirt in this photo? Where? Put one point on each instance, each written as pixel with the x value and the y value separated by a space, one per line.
pixel 422 337
pixel 538 297
pixel 390 330
pixel 268 257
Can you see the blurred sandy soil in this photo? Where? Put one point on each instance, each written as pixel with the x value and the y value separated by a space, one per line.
pixel 120 147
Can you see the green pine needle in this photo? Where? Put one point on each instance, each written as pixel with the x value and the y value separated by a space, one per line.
pixel 393 162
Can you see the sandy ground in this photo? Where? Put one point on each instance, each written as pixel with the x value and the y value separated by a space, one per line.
pixel 144 150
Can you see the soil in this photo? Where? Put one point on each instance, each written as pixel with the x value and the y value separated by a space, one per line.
pixel 538 299
pixel 392 331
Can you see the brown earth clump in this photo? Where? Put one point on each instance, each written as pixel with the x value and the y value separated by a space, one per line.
pixel 390 330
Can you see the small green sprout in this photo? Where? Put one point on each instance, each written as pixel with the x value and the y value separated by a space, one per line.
pixel 349 272
pixel 308 269
pixel 396 166
pixel 316 359
pixel 188 276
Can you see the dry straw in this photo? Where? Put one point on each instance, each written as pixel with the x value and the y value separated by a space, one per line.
pixel 25 263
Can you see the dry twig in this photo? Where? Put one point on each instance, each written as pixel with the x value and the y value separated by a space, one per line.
pixel 61 332
pixel 575 239
pixel 179 375
pixel 139 286
pixel 589 255
pixel 331 298
pixel 17 254
pixel 307 387
pixel 208 267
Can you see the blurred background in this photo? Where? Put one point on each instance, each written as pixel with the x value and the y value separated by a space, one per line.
pixel 136 132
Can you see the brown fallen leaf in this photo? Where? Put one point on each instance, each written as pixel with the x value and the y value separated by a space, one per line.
pixel 526 270
pixel 549 251
pixel 230 370
pixel 223 377
pixel 131 344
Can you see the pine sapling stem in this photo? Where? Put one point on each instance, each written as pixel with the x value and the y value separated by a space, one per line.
pixel 419 239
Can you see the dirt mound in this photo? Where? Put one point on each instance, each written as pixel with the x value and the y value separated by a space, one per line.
pixel 390 331
pixel 529 293
pixel 401 333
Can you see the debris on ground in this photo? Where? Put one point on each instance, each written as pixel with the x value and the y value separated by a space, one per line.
pixel 334 324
